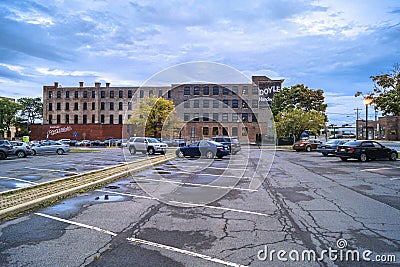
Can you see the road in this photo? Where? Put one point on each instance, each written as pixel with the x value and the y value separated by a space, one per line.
pixel 307 203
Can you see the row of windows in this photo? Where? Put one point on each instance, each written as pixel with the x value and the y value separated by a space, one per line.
pixel 216 103
pixel 224 117
pixel 85 94
pixel 75 119
pixel 111 106
pixel 216 90
pixel 216 131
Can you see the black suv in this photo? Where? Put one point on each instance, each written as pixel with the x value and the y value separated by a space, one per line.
pixel 5 149
pixel 231 142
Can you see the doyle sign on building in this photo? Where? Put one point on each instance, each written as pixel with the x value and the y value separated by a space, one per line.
pixel 267 87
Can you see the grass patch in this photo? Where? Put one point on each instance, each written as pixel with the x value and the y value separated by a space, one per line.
pixel 74 150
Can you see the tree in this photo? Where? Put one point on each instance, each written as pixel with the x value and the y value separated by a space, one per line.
pixel 296 121
pixel 154 116
pixel 386 95
pixel 31 109
pixel 298 96
pixel 8 112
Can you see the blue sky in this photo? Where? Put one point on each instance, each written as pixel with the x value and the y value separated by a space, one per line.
pixel 332 45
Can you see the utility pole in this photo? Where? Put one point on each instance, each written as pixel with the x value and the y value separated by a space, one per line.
pixel 357 112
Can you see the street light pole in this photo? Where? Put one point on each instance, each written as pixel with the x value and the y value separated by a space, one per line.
pixel 367 101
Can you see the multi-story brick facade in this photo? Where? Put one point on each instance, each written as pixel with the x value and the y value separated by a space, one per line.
pixel 206 109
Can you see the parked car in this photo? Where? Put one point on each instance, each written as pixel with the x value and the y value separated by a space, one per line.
pixel 146 145
pixel 203 148
pixel 349 135
pixel 364 150
pixel 336 136
pixel 50 147
pixel 21 149
pixel 232 143
pixel 330 146
pixel 110 141
pixel 97 143
pixel 6 149
pixel 65 141
pixel 83 143
pixel 307 146
pixel 179 142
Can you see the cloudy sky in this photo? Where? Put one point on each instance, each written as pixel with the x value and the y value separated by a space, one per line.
pixel 333 45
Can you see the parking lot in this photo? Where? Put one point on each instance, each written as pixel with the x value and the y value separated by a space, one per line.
pixel 306 202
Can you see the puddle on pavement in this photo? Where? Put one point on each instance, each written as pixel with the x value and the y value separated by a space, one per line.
pixel 12 184
pixel 162 172
pixel 71 169
pixel 112 187
pixel 31 177
pixel 69 174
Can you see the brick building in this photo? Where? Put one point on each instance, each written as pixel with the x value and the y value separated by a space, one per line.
pixel 99 112
pixel 385 128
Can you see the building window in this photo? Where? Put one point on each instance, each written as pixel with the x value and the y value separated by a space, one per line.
pixel 76 94
pixel 235 117
pixel 245 90
pixel 215 104
pixel 66 119
pixel 244 131
pixel 196 117
pixel 254 103
pixel 255 90
pixel 169 94
pixel 196 90
pixel 50 94
pixel 112 94
pixel 93 118
pixel 93 105
pixel 141 94
pixel 58 119
pixel 206 103
pixel 120 106
pixel 215 131
pixel 244 104
pixel 225 91
pixel 235 90
pixel 103 94
pixel 67 106
pixel 66 94
pixel 235 131
pixel 206 117
pixel 111 105
pixel 84 119
pixel 206 90
pixel 129 116
pixel 50 106
pixel 93 94
pixel 186 104
pixel 102 106
pixel 206 131
pixel 160 93
pixel 235 103
pixel 102 118
pixel 120 94
pixel 196 104
pixel 120 119
pixel 58 94
pixel 186 90
pixel 225 103
pixel 245 117
pixel 84 94
pixel 151 92
pixel 58 106
pixel 76 106
pixel 84 106
pixel 111 119
pixel 192 132
pixel 224 116
pixel 253 117
pixel 50 119
pixel 215 90
pixel 129 105
pixel 186 117
pixel 129 93
pixel 215 116
pixel 75 119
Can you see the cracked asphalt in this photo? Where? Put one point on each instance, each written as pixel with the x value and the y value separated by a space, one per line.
pixel 307 202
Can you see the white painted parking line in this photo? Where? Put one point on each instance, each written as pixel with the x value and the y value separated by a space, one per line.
pixel 192 204
pixel 145 242
pixel 392 179
pixel 380 169
pixel 195 184
pixel 215 175
pixel 50 170
pixel 16 179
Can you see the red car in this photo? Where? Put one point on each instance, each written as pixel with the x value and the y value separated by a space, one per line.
pixel 307 146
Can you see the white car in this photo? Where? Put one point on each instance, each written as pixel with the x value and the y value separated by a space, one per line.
pixel 146 145
pixel 21 149
pixel 50 147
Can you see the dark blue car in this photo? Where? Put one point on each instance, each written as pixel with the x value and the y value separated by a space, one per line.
pixel 203 148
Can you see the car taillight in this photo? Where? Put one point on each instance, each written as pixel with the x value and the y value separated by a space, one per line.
pixel 351 150
pixel 219 148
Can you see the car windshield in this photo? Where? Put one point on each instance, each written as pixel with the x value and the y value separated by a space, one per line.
pixel 152 140
pixel 332 142
pixel 215 143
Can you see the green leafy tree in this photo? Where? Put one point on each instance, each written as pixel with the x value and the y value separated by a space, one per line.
pixel 31 109
pixel 298 96
pixel 8 112
pixel 296 121
pixel 154 117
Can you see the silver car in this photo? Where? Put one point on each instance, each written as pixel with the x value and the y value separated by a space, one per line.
pixel 50 147
pixel 21 149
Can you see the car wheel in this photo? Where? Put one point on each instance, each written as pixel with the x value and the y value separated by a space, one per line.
pixel 209 155
pixel 324 154
pixel 132 150
pixel 343 159
pixel 162 152
pixel 21 154
pixel 220 157
pixel 308 148
pixel 60 151
pixel 393 156
pixel 363 157
pixel 34 152
pixel 3 155
pixel 151 151
pixel 180 154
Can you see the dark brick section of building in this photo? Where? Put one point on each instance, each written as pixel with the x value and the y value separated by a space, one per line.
pixel 385 128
